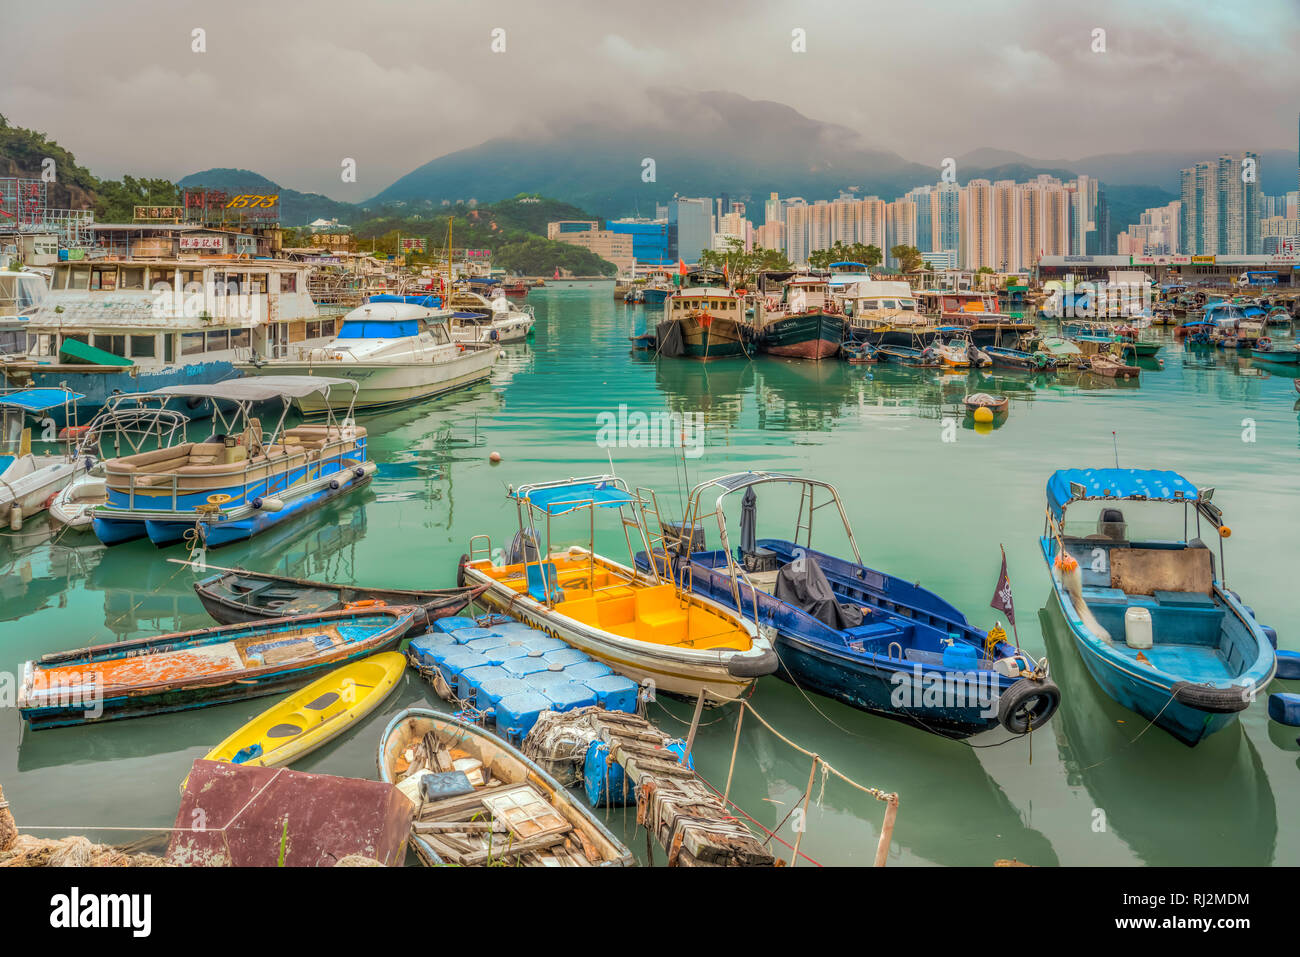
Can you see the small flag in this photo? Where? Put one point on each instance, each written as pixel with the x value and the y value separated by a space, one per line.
pixel 1002 594
pixel 725 274
pixel 681 268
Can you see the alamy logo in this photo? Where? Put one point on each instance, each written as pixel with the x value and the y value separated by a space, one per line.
pixel 658 430
pixel 74 910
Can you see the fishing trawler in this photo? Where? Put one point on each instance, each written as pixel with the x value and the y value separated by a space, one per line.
pixel 977 312
pixel 243 480
pixel 881 312
pixel 803 323
pixel 704 319
pixel 639 623
pixel 109 326
pixel 397 349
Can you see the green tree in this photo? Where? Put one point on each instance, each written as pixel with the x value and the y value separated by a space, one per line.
pixel 868 255
pixel 115 200
pixel 909 258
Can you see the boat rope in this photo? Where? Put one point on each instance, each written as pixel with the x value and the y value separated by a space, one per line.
pixel 1172 696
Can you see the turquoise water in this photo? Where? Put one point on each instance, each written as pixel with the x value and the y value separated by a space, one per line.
pixel 1083 791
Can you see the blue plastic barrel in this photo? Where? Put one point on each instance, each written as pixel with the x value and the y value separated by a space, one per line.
pixel 605 782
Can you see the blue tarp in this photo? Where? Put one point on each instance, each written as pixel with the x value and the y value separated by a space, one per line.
pixel 1155 485
pixel 38 400
pixel 558 499
pixel 379 329
pixel 427 301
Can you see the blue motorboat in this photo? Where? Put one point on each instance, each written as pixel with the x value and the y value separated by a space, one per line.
pixel 871 640
pixel 1150 614
pixel 244 479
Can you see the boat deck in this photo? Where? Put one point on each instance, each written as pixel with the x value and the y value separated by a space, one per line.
pixel 1188 662
pixel 601 597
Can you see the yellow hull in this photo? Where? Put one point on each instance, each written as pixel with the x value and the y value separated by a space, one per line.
pixel 314 715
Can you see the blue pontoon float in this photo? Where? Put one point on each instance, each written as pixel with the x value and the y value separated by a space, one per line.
pixel 866 638
pixel 1152 618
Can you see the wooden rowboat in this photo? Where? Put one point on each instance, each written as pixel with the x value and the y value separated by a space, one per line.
pixel 238 596
pixel 312 716
pixel 193 669
pixel 480 802
pixel 982 400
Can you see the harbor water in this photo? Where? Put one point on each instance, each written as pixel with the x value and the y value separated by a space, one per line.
pixel 931 497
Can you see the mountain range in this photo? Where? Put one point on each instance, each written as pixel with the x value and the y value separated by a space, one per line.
pixel 710 143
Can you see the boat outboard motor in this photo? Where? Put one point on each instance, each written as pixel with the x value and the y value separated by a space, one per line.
pixel 523 548
pixel 1111 524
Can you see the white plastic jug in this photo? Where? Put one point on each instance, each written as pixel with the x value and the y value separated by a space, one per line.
pixel 1137 628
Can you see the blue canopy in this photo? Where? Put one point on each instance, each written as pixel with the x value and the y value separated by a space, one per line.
pixel 558 499
pixel 1142 484
pixel 38 400
pixel 428 301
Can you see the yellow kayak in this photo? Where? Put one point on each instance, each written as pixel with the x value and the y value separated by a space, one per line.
pixel 312 716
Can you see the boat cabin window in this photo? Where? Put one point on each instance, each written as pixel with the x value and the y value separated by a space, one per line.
pixel 22 292
pixel 113 344
pixel 240 338
pixel 192 277
pixel 143 347
pixel 191 343
pixel 13 342
pixel 40 346
pixel 288 282
pixel 438 330
pixel 103 278
pixel 79 278
pixel 218 341
pixel 132 279
pixel 169 349
pixel 379 329
pixel 254 284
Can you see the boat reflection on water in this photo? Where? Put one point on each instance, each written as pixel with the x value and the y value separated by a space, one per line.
pixel 951 813
pixel 38 569
pixel 714 389
pixel 148 597
pixel 799 396
pixel 1153 790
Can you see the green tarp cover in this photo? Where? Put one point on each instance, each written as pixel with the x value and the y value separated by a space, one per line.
pixel 74 351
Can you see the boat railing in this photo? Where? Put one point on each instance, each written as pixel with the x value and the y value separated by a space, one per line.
pixel 271 474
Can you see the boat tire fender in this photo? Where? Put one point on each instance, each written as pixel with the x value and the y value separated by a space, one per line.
pixel 1212 700
pixel 1029 703
pixel 1285 709
pixel 460 571
pixel 1288 664
pixel 334 485
pixel 753 666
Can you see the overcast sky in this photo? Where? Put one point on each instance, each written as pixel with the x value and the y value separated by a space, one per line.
pixel 290 88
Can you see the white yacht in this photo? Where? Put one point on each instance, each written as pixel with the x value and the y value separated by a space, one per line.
pixel 397 348
pixel 478 318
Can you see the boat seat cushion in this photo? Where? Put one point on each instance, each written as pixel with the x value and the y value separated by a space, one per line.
pixel 1095 595
pixel 1141 571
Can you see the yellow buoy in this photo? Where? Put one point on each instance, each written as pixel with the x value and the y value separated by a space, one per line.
pixel 983 414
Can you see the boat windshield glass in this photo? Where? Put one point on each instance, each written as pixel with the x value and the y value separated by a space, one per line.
pixel 375 329
pixel 1133 521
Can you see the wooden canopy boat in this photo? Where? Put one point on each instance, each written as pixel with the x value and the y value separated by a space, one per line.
pixel 479 802
pixel 193 669
pixel 237 595
pixel 641 624
pixel 871 640
pixel 1113 368
pixel 1155 624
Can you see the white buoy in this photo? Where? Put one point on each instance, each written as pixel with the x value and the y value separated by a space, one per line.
pixel 271 504
pixel 15 518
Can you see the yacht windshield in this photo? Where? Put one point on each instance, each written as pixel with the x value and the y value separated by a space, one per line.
pixel 374 329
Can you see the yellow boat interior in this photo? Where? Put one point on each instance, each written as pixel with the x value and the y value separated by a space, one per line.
pixel 604 595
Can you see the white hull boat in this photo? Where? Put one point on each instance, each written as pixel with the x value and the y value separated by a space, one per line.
pixel 397 353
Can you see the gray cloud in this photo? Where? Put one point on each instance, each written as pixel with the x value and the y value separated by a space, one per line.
pixel 291 89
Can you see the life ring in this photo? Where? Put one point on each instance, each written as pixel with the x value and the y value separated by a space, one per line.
pixel 772 302
pixel 1266 343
